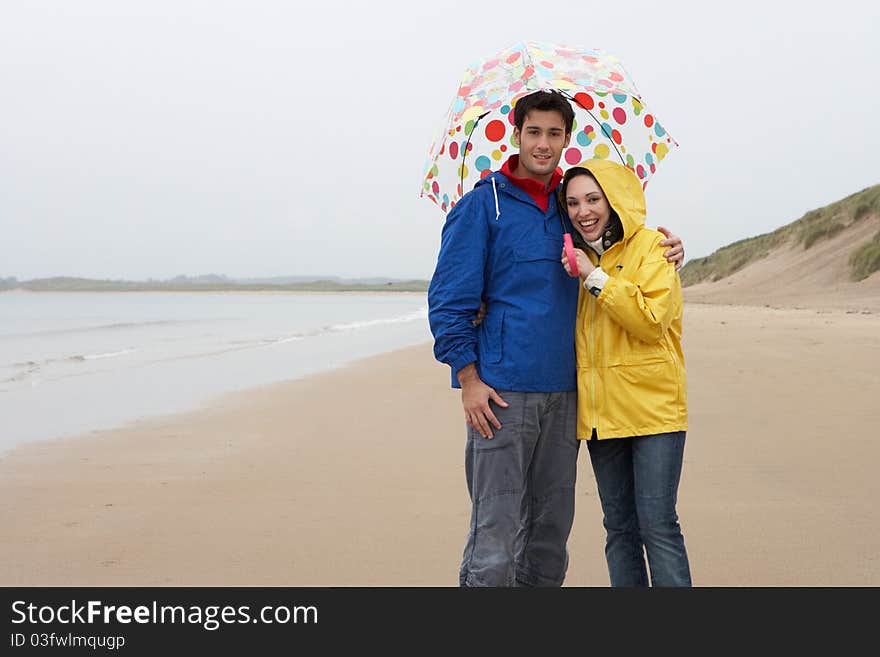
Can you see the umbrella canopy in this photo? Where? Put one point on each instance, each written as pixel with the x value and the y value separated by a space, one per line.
pixel 611 119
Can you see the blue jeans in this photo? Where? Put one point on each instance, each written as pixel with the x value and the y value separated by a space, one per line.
pixel 521 484
pixel 638 486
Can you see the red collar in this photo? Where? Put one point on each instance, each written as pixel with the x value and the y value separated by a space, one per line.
pixel 534 188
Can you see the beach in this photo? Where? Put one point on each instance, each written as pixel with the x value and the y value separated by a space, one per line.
pixel 354 477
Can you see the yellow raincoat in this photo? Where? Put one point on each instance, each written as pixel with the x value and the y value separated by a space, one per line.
pixel 631 376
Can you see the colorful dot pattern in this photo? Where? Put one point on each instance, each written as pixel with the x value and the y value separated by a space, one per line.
pixel 611 120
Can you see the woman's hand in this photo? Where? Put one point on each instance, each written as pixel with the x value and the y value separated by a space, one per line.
pixel 583 263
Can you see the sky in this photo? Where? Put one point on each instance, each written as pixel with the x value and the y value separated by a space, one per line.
pixel 148 139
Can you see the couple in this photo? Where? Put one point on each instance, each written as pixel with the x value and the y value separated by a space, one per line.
pixel 558 358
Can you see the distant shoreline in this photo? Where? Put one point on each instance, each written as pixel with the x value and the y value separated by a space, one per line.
pixel 267 290
pixel 86 285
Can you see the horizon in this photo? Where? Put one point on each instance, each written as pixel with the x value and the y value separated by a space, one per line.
pixel 194 277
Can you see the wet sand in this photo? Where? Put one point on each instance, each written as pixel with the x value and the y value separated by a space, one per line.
pixel 355 476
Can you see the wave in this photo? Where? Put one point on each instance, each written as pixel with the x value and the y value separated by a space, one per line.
pixel 112 354
pixel 240 345
pixel 336 328
pixel 30 368
pixel 416 315
pixel 291 338
pixel 100 327
pixel 27 369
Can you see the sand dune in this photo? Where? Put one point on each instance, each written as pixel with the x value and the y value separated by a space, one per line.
pixel 792 276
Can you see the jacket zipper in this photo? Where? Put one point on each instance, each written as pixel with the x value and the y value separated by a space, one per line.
pixel 594 350
pixel 593 368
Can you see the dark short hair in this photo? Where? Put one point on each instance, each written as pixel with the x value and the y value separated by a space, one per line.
pixel 544 101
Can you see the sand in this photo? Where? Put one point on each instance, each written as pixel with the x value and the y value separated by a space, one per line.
pixel 355 476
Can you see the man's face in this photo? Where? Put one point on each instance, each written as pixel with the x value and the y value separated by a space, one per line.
pixel 541 142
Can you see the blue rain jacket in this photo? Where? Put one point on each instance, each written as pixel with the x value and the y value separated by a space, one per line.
pixel 497 245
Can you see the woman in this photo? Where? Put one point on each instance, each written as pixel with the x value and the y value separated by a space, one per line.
pixel 632 407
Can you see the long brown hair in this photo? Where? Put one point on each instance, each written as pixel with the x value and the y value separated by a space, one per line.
pixel 614 222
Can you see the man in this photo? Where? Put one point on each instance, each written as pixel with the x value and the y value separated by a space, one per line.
pixel 501 246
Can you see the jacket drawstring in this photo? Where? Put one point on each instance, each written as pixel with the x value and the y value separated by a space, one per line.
pixel 495 192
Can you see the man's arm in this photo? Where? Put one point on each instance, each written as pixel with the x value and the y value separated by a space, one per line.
pixel 454 297
pixel 457 285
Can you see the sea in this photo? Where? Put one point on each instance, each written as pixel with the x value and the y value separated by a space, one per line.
pixel 75 362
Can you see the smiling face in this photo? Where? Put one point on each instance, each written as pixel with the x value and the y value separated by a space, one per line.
pixel 541 142
pixel 587 206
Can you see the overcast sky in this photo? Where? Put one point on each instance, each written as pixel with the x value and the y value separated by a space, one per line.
pixel 154 138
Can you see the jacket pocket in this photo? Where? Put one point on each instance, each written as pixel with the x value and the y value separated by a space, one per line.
pixel 642 399
pixel 543 249
pixel 491 337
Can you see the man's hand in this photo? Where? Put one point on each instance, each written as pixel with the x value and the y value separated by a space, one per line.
pixel 475 396
pixel 674 254
pixel 481 315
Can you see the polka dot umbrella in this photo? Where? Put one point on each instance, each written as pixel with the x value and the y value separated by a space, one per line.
pixel 611 119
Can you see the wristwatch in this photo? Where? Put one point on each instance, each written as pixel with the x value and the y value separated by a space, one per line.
pixel 595 291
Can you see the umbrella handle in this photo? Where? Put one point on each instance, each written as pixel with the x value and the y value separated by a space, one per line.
pixel 568 245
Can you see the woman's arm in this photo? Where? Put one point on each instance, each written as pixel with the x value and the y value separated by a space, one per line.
pixel 643 301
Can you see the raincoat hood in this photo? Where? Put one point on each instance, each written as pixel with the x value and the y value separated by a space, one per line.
pixel 623 191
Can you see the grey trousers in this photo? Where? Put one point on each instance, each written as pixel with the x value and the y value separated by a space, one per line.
pixel 521 484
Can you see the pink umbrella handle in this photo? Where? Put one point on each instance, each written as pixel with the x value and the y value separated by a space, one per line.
pixel 569 253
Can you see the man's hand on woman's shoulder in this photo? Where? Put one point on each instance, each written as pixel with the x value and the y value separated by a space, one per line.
pixel 675 253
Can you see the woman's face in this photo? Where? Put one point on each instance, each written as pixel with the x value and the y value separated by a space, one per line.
pixel 588 208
